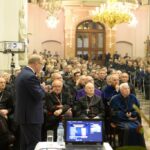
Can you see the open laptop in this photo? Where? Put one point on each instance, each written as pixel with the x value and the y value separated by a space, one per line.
pixel 85 134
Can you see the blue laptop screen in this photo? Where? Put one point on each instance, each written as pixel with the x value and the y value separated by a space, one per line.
pixel 84 131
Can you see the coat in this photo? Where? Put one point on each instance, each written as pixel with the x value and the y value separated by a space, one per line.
pixel 29 95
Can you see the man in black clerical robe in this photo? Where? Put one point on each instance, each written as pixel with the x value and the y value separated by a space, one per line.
pixel 58 105
pixel 90 106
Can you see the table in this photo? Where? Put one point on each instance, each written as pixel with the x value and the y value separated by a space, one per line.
pixel 55 146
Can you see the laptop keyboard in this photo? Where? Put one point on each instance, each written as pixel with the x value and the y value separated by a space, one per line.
pixel 84 147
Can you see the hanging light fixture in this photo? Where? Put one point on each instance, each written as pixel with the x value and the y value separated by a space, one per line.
pixel 52 22
pixel 114 12
pixel 52 8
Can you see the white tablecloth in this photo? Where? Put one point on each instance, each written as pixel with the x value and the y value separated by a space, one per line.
pixel 55 146
pixel 49 146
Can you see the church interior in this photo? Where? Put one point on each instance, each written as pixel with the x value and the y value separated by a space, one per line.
pixel 81 41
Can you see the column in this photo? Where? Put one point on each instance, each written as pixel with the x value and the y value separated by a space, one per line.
pixel 110 40
pixel 23 30
pixel 69 34
pixel 9 27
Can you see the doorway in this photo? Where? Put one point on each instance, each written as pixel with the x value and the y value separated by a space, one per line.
pixel 90 41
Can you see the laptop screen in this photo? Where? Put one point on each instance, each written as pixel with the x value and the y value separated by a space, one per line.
pixel 83 131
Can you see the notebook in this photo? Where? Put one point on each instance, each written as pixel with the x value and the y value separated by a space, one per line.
pixel 84 132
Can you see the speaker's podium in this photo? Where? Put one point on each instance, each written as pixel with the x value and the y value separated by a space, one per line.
pixel 56 146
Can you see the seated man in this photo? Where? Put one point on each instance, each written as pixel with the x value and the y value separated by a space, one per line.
pixel 80 93
pixel 125 79
pixel 58 106
pixel 111 89
pixel 6 108
pixel 100 81
pixel 90 105
pixel 126 118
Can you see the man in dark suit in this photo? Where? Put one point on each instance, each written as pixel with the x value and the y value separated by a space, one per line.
pixel 29 107
pixel 115 56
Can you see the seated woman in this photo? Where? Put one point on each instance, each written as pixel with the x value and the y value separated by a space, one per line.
pixel 126 118
pixel 90 105
pixel 58 105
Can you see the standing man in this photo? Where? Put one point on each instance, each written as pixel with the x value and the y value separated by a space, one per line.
pixel 29 107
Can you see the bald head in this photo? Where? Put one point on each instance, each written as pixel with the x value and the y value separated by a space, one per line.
pixel 57 86
pixel 35 59
pixel 124 77
pixel 89 89
pixel 114 80
pixel 35 62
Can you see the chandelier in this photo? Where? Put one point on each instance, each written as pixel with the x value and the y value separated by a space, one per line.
pixel 52 8
pixel 113 13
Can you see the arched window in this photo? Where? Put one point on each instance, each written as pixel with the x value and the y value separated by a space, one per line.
pixel 90 40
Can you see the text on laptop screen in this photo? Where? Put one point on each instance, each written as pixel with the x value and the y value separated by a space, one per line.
pixel 84 131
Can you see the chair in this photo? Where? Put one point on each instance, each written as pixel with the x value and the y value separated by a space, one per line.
pixel 7 139
pixel 115 135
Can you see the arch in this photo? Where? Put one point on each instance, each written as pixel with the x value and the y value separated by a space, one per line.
pixel 53 46
pixel 125 42
pixel 90 40
pixel 89 20
pixel 51 41
pixel 85 18
pixel 124 47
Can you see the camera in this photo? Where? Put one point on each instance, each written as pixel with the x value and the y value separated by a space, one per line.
pixel 12 47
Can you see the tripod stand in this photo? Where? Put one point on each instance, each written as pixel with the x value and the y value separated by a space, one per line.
pixel 12 65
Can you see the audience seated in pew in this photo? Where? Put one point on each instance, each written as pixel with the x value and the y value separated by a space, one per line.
pixel 58 104
pixel 70 87
pixel 126 118
pixel 90 105
pixel 82 91
pixel 6 109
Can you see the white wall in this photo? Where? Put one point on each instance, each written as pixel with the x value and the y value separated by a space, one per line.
pixel 41 32
pixel 136 35
pixel 123 48
pixel 8 29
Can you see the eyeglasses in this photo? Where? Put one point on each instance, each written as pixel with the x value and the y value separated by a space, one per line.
pixel 57 86
pixel 58 78
pixel 2 82
pixel 124 76
pixel 115 79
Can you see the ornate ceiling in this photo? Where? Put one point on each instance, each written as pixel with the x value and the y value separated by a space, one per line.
pixel 84 2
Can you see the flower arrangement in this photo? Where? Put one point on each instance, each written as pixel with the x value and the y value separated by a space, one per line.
pixel 113 13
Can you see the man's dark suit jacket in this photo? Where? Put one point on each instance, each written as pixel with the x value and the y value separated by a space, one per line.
pixel 29 95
